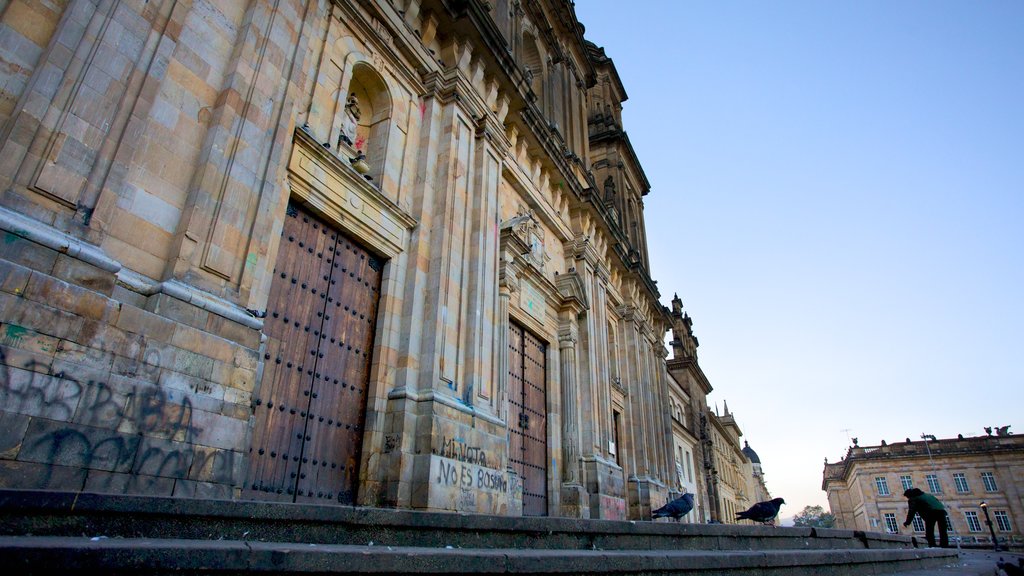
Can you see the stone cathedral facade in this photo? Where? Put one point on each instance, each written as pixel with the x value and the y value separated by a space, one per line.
pixel 382 252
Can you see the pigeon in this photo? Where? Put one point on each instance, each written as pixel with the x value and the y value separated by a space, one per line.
pixel 675 509
pixel 763 512
pixel 1008 569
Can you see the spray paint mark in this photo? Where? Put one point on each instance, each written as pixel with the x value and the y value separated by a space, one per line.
pixel 15 333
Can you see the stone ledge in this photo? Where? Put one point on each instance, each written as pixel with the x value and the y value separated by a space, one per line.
pixel 46 513
pixel 116 555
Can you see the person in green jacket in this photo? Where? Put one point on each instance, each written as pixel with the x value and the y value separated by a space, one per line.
pixel 931 510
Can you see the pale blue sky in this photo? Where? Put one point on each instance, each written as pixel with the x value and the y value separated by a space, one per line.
pixel 838 198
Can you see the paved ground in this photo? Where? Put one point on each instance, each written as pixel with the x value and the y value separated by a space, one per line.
pixel 972 562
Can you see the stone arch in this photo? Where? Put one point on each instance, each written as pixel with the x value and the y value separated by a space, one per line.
pixel 365 118
pixel 533 63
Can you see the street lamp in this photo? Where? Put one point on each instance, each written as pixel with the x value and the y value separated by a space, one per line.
pixel 991 530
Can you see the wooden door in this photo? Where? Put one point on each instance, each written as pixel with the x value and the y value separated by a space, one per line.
pixel 311 404
pixel 528 448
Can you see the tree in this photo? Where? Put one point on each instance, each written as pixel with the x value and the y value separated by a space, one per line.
pixel 815 517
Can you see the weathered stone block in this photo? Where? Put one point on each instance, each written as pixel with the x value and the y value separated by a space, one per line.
pixel 13 277
pixel 26 253
pixel 77 356
pixel 218 431
pixel 163 458
pixel 73 445
pixel 150 486
pixel 237 397
pixel 194 340
pixel 178 311
pixel 128 297
pixel 12 358
pixel 40 317
pixel 233 331
pixel 232 377
pixel 32 475
pixel 33 393
pixel 135 366
pixel 237 411
pixel 64 296
pixel 12 433
pixel 208 490
pixel 111 340
pixel 193 364
pixel 103 404
pixel 27 340
pixel 135 320
pixel 107 482
pixel 215 465
pixel 160 413
pixel 84 274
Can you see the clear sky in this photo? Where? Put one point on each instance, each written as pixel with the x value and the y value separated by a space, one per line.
pixel 837 196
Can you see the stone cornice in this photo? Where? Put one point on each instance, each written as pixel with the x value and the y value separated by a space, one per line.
pixel 690 365
pixel 920 450
pixel 570 286
pixel 387 38
pixel 620 139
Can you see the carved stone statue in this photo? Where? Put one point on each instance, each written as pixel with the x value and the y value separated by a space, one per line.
pixel 609 189
pixel 350 119
pixel 352 106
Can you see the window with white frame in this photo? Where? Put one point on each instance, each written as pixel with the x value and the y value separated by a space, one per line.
pixel 972 521
pixel 933 484
pixel 890 523
pixel 882 485
pixel 906 481
pixel 1002 520
pixel 918 523
pixel 961 483
pixel 989 480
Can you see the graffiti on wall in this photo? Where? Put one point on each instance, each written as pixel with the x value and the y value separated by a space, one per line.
pixel 126 430
pixel 468 472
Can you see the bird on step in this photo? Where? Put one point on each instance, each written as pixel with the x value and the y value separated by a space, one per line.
pixel 675 509
pixel 763 512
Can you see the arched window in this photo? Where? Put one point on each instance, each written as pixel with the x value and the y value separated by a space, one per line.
pixel 366 117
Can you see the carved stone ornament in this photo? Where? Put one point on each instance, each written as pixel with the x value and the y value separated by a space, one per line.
pixel 529 236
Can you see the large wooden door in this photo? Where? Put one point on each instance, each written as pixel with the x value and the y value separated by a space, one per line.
pixel 528 447
pixel 311 403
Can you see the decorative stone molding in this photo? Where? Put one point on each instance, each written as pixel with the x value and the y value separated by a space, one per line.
pixel 54 239
pixel 529 238
pixel 336 190
pixel 581 248
pixel 574 296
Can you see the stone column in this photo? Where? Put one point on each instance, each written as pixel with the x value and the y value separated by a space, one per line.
pixel 567 337
pixel 575 498
pixel 501 350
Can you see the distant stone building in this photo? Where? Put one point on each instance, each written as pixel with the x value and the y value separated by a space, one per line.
pixel 710 464
pixel 757 486
pixel 865 489
pixel 383 252
pixel 688 390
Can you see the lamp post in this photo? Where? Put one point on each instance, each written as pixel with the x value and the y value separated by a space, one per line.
pixel 991 530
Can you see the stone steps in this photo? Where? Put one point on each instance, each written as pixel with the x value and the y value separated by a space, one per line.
pixel 49 532
pixel 48 554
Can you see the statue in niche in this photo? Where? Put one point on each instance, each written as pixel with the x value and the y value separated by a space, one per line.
pixel 350 119
pixel 528 75
pixel 609 189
